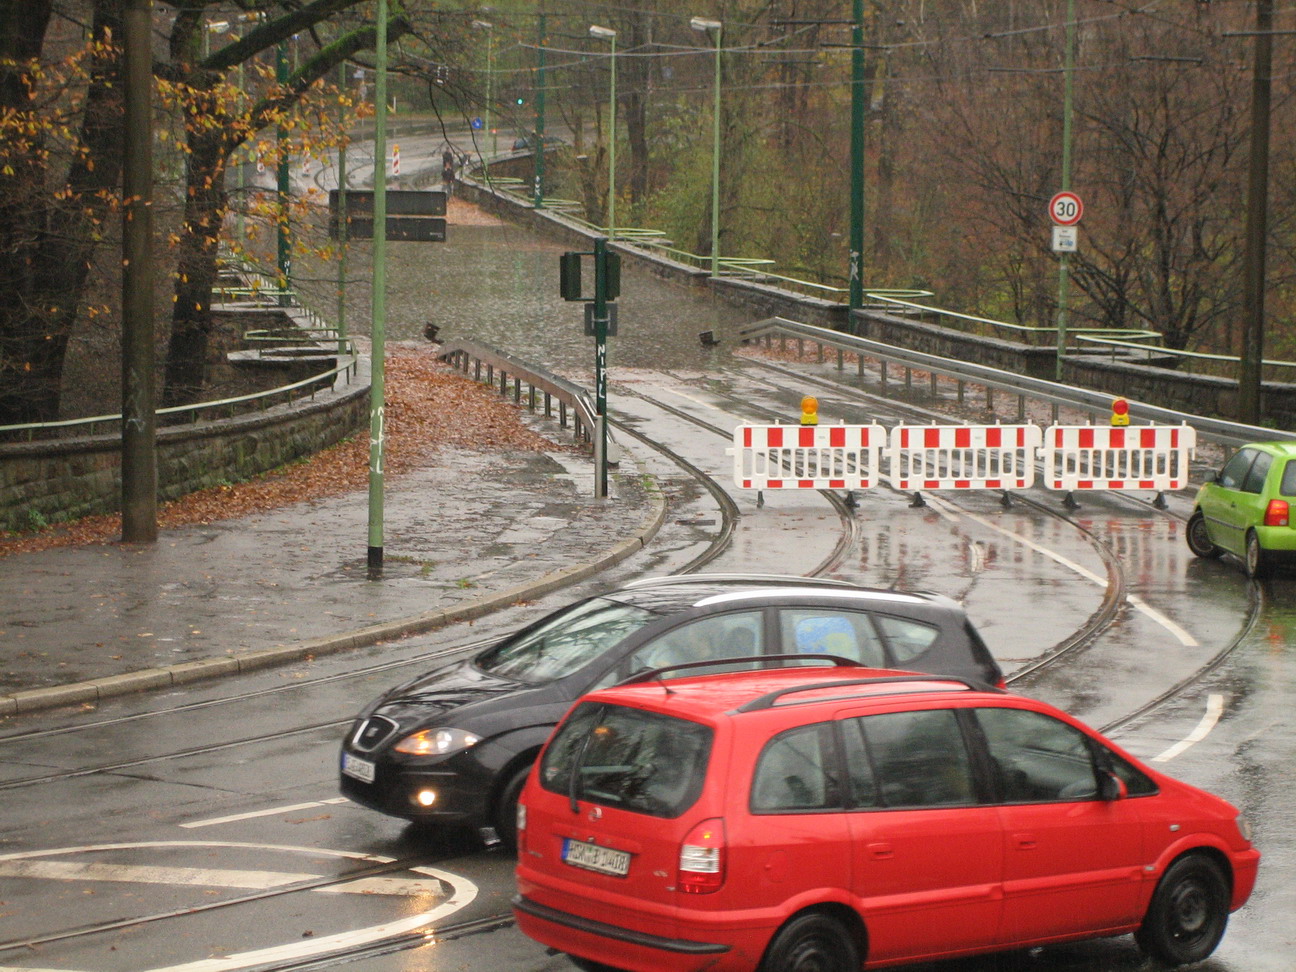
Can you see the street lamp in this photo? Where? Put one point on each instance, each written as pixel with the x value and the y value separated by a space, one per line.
pixel 608 34
pixel 707 27
pixel 490 77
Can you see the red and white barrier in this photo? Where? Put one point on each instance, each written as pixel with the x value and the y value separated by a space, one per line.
pixel 963 456
pixel 1135 457
pixel 807 456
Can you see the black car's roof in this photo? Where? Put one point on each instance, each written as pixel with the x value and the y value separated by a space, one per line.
pixel 669 595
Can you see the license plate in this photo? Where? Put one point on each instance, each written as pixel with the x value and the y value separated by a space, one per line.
pixel 592 857
pixel 361 769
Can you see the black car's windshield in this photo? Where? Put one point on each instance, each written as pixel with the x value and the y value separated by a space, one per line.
pixel 565 642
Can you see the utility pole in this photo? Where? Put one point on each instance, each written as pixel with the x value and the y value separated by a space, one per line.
pixel 538 200
pixel 1251 362
pixel 1064 258
pixel 343 228
pixel 859 100
pixel 377 403
pixel 282 184
pixel 139 418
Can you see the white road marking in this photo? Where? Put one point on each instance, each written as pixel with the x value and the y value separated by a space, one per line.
pixel 145 874
pixel 462 893
pixel 273 811
pixel 1214 709
pixel 1134 601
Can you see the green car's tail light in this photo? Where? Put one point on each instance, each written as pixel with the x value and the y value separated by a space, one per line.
pixel 1277 513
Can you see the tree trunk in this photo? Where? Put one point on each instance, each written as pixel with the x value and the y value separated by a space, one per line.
pixel 191 320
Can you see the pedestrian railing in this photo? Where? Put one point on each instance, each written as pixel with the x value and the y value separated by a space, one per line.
pixel 544 389
pixel 315 334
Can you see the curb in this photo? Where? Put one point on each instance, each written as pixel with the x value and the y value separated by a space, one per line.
pixel 95 690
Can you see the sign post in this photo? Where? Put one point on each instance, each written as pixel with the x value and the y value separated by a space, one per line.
pixel 1065 209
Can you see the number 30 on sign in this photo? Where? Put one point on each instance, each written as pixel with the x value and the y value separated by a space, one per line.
pixel 1065 209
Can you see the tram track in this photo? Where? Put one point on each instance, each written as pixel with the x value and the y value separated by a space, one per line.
pixel 1116 591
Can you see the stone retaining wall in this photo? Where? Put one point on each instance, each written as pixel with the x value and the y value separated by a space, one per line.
pixel 71 477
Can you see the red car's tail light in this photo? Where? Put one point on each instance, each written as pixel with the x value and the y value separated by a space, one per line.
pixel 1277 513
pixel 702 858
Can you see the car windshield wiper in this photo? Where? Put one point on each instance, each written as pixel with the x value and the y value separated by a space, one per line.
pixel 574 782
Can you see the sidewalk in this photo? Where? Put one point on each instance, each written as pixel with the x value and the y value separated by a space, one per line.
pixel 475 532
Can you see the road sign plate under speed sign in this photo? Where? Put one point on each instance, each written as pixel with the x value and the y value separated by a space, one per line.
pixel 1065 209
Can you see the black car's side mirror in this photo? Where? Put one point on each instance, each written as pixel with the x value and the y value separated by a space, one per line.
pixel 1111 787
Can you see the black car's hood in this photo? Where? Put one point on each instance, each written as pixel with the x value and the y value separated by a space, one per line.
pixel 451 687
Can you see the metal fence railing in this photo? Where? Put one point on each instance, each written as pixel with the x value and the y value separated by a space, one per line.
pixel 1226 433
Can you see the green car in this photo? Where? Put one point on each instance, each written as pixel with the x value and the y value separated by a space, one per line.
pixel 1246 509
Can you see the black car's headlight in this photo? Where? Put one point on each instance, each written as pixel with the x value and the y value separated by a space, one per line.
pixel 436 742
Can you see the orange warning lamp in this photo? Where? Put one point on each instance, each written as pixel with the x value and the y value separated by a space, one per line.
pixel 1120 412
pixel 809 411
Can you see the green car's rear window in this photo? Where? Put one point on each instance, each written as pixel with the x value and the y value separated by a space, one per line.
pixel 1288 487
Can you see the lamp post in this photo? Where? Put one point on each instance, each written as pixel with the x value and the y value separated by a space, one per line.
pixel 490 77
pixel 707 27
pixel 608 34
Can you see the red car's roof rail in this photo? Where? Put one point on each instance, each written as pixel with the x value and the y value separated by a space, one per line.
pixel 768 700
pixel 655 674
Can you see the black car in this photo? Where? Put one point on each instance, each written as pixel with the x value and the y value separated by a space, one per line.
pixel 453 746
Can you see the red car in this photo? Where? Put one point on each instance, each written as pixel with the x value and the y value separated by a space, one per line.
pixel 839 818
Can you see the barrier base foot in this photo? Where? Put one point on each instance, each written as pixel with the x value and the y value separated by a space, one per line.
pixel 918 501
pixel 1005 500
pixel 1069 501
pixel 1160 501
pixel 851 502
pixel 760 498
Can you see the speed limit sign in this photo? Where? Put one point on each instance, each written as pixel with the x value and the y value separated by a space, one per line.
pixel 1065 209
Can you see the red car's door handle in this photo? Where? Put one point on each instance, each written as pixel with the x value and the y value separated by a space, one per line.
pixel 881 851
pixel 1025 841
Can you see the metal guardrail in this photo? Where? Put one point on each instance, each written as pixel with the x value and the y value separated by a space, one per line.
pixel 501 369
pixel 1229 434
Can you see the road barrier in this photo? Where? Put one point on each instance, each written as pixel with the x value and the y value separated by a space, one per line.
pixel 1084 457
pixel 807 456
pixel 964 456
pixel 918 457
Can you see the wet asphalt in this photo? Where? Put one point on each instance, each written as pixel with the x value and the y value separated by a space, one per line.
pixel 475 531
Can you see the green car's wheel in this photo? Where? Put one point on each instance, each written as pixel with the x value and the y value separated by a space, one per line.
pixel 1257 559
pixel 1199 541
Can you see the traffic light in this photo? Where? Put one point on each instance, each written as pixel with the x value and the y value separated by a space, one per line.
pixel 1120 412
pixel 569 276
pixel 520 101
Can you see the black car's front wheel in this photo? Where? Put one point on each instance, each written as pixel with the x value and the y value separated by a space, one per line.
pixel 506 808
pixel 1199 541
pixel 1188 913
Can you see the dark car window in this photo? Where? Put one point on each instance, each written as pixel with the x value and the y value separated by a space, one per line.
pixel 564 643
pixel 826 631
pixel 1234 472
pixel 1137 783
pixel 1255 477
pixel 918 759
pixel 733 635
pixel 628 758
pixel 1036 758
pixel 795 772
pixel 906 638
pixel 1288 486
